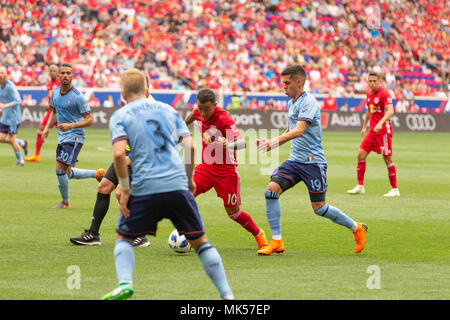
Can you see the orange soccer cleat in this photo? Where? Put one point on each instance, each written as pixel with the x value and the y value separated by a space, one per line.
pixel 261 239
pixel 360 237
pixel 33 158
pixel 275 246
pixel 62 205
pixel 99 174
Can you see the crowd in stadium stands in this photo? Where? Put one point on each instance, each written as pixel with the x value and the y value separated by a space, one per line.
pixel 235 45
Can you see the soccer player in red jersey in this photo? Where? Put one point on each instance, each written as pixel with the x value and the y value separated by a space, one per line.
pixel 52 84
pixel 220 139
pixel 379 138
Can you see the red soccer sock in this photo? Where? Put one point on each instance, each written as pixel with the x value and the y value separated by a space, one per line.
pixel 392 172
pixel 246 221
pixel 38 144
pixel 360 171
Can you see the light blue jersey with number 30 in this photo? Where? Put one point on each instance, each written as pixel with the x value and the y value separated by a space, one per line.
pixel 153 130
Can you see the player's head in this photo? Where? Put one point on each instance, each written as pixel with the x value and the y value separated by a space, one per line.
pixel 206 102
pixel 65 74
pixel 374 81
pixel 133 84
pixel 53 71
pixel 3 74
pixel 293 79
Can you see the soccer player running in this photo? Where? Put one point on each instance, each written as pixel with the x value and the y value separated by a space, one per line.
pixel 161 186
pixel 379 138
pixel 73 115
pixel 106 186
pixel 220 139
pixel 52 84
pixel 306 163
pixel 11 116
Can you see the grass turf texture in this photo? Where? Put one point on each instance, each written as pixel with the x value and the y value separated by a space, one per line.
pixel 407 240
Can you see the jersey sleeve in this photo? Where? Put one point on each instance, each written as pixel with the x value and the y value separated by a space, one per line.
pixel 307 112
pixel 182 129
pixel 83 105
pixel 15 96
pixel 117 128
pixel 387 99
pixel 229 128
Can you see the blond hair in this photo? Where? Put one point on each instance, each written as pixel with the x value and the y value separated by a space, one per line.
pixel 133 83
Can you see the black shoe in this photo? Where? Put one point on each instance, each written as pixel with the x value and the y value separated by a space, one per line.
pixel 25 147
pixel 87 238
pixel 141 241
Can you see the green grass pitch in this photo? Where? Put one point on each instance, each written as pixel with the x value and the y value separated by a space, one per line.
pixel 406 256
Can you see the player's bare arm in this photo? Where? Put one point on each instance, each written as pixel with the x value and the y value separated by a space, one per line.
pixel 189 160
pixel 85 122
pixel 298 131
pixel 366 121
pixel 389 112
pixel 120 165
pixel 46 130
pixel 236 144
pixel 190 118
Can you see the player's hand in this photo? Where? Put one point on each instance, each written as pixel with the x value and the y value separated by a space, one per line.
pixel 123 203
pixel 45 134
pixel 263 145
pixel 192 186
pixel 363 132
pixel 65 126
pixel 223 141
pixel 377 127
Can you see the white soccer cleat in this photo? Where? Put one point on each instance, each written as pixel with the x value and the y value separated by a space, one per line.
pixel 357 190
pixel 393 193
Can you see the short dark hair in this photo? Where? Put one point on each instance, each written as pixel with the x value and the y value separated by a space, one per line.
pixel 205 94
pixel 374 74
pixel 295 71
pixel 67 65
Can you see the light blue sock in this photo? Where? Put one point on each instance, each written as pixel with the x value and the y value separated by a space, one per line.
pixel 273 211
pixel 20 142
pixel 63 184
pixel 19 156
pixel 335 215
pixel 81 173
pixel 212 263
pixel 124 260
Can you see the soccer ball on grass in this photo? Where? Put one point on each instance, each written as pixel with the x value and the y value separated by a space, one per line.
pixel 178 242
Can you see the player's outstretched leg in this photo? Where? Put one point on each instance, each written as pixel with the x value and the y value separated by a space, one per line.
pixel 124 261
pixel 36 157
pixel 247 222
pixel 337 216
pixel 213 266
pixel 76 173
pixel 273 213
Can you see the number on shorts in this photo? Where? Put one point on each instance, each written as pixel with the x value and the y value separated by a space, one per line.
pixel 232 199
pixel 316 184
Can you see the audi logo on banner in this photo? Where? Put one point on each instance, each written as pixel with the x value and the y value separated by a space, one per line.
pixel 279 120
pixel 420 122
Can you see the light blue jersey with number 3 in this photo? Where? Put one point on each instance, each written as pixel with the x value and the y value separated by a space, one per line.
pixel 153 130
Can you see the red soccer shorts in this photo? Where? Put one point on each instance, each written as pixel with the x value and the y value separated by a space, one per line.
pixel 45 120
pixel 380 143
pixel 226 182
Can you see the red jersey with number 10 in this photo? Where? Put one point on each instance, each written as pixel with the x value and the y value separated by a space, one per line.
pixel 376 102
pixel 221 124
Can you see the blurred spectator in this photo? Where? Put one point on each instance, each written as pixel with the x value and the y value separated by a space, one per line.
pixel 235 102
pixel 109 102
pixel 402 105
pixel 93 101
pixel 329 103
pixel 253 105
pixel 28 100
pixel 412 108
pixel 244 101
pixel 344 107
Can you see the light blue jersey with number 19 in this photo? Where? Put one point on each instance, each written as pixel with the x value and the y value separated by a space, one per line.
pixel 153 130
